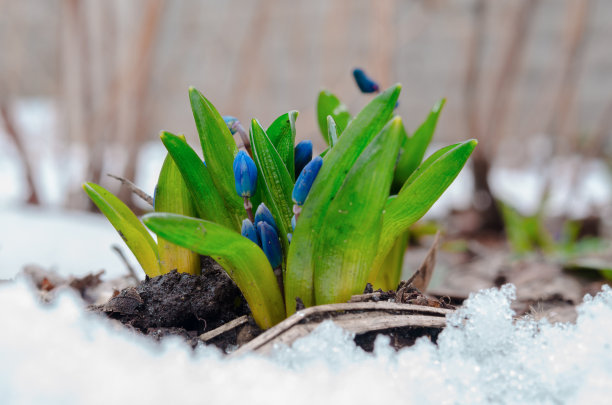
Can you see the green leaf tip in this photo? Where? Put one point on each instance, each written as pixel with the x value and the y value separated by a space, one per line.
pixel 129 227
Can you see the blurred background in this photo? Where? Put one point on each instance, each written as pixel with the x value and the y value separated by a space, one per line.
pixel 86 86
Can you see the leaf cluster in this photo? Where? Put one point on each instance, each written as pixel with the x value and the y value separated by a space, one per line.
pixel 372 186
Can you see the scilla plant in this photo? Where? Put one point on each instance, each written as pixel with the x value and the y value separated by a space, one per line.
pixel 323 226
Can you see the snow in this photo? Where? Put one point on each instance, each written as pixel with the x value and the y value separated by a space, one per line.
pixel 72 243
pixel 58 354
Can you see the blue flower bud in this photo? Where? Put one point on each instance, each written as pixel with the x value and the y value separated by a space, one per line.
pixel 304 182
pixel 245 174
pixel 366 85
pixel 293 221
pixel 248 231
pixel 264 214
pixel 289 236
pixel 232 123
pixel 303 155
pixel 270 243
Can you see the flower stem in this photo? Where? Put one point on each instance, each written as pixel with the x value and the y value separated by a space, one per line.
pixel 245 138
pixel 249 209
pixel 297 209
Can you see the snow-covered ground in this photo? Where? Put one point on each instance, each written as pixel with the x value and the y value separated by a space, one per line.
pixel 59 354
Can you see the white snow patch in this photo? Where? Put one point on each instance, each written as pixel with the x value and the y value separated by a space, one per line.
pixel 71 243
pixel 58 354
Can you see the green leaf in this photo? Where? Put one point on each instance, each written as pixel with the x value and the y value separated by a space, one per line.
pixel 172 195
pixel 208 202
pixel 525 233
pixel 413 148
pixel 389 278
pixel 219 150
pixel 347 245
pixel 131 230
pixel 332 131
pixel 421 190
pixel 329 104
pixel 244 261
pixel 275 180
pixel 282 134
pixel 337 163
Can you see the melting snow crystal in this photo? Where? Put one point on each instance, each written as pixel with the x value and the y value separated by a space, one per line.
pixel 58 354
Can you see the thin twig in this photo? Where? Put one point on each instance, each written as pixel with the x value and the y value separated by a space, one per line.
pixel 134 189
pixel 205 337
pixel 577 23
pixel 125 261
pixel 12 132
pixel 508 72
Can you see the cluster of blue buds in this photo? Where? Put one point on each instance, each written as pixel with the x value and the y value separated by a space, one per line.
pixel 260 229
pixel 265 234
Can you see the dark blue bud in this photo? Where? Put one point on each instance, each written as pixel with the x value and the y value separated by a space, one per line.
pixel 293 221
pixel 264 214
pixel 248 231
pixel 366 85
pixel 245 174
pixel 304 182
pixel 303 155
pixel 270 243
pixel 232 123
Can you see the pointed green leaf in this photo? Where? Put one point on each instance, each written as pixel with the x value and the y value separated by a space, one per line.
pixel 172 195
pixel 420 192
pixel 347 245
pixel 275 181
pixel 205 196
pixel 244 261
pixel 390 273
pixel 219 149
pixel 282 134
pixel 337 163
pixel 413 148
pixel 329 104
pixel 131 230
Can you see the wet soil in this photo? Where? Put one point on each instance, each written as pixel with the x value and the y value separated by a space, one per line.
pixel 179 304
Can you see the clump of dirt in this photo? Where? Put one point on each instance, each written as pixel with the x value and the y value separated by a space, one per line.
pixel 179 304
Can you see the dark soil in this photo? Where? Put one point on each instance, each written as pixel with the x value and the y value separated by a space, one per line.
pixel 179 304
pixel 400 337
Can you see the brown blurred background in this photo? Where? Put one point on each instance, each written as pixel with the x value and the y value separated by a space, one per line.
pixel 116 72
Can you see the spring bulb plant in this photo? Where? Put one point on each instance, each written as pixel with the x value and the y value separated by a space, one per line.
pixel 323 226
